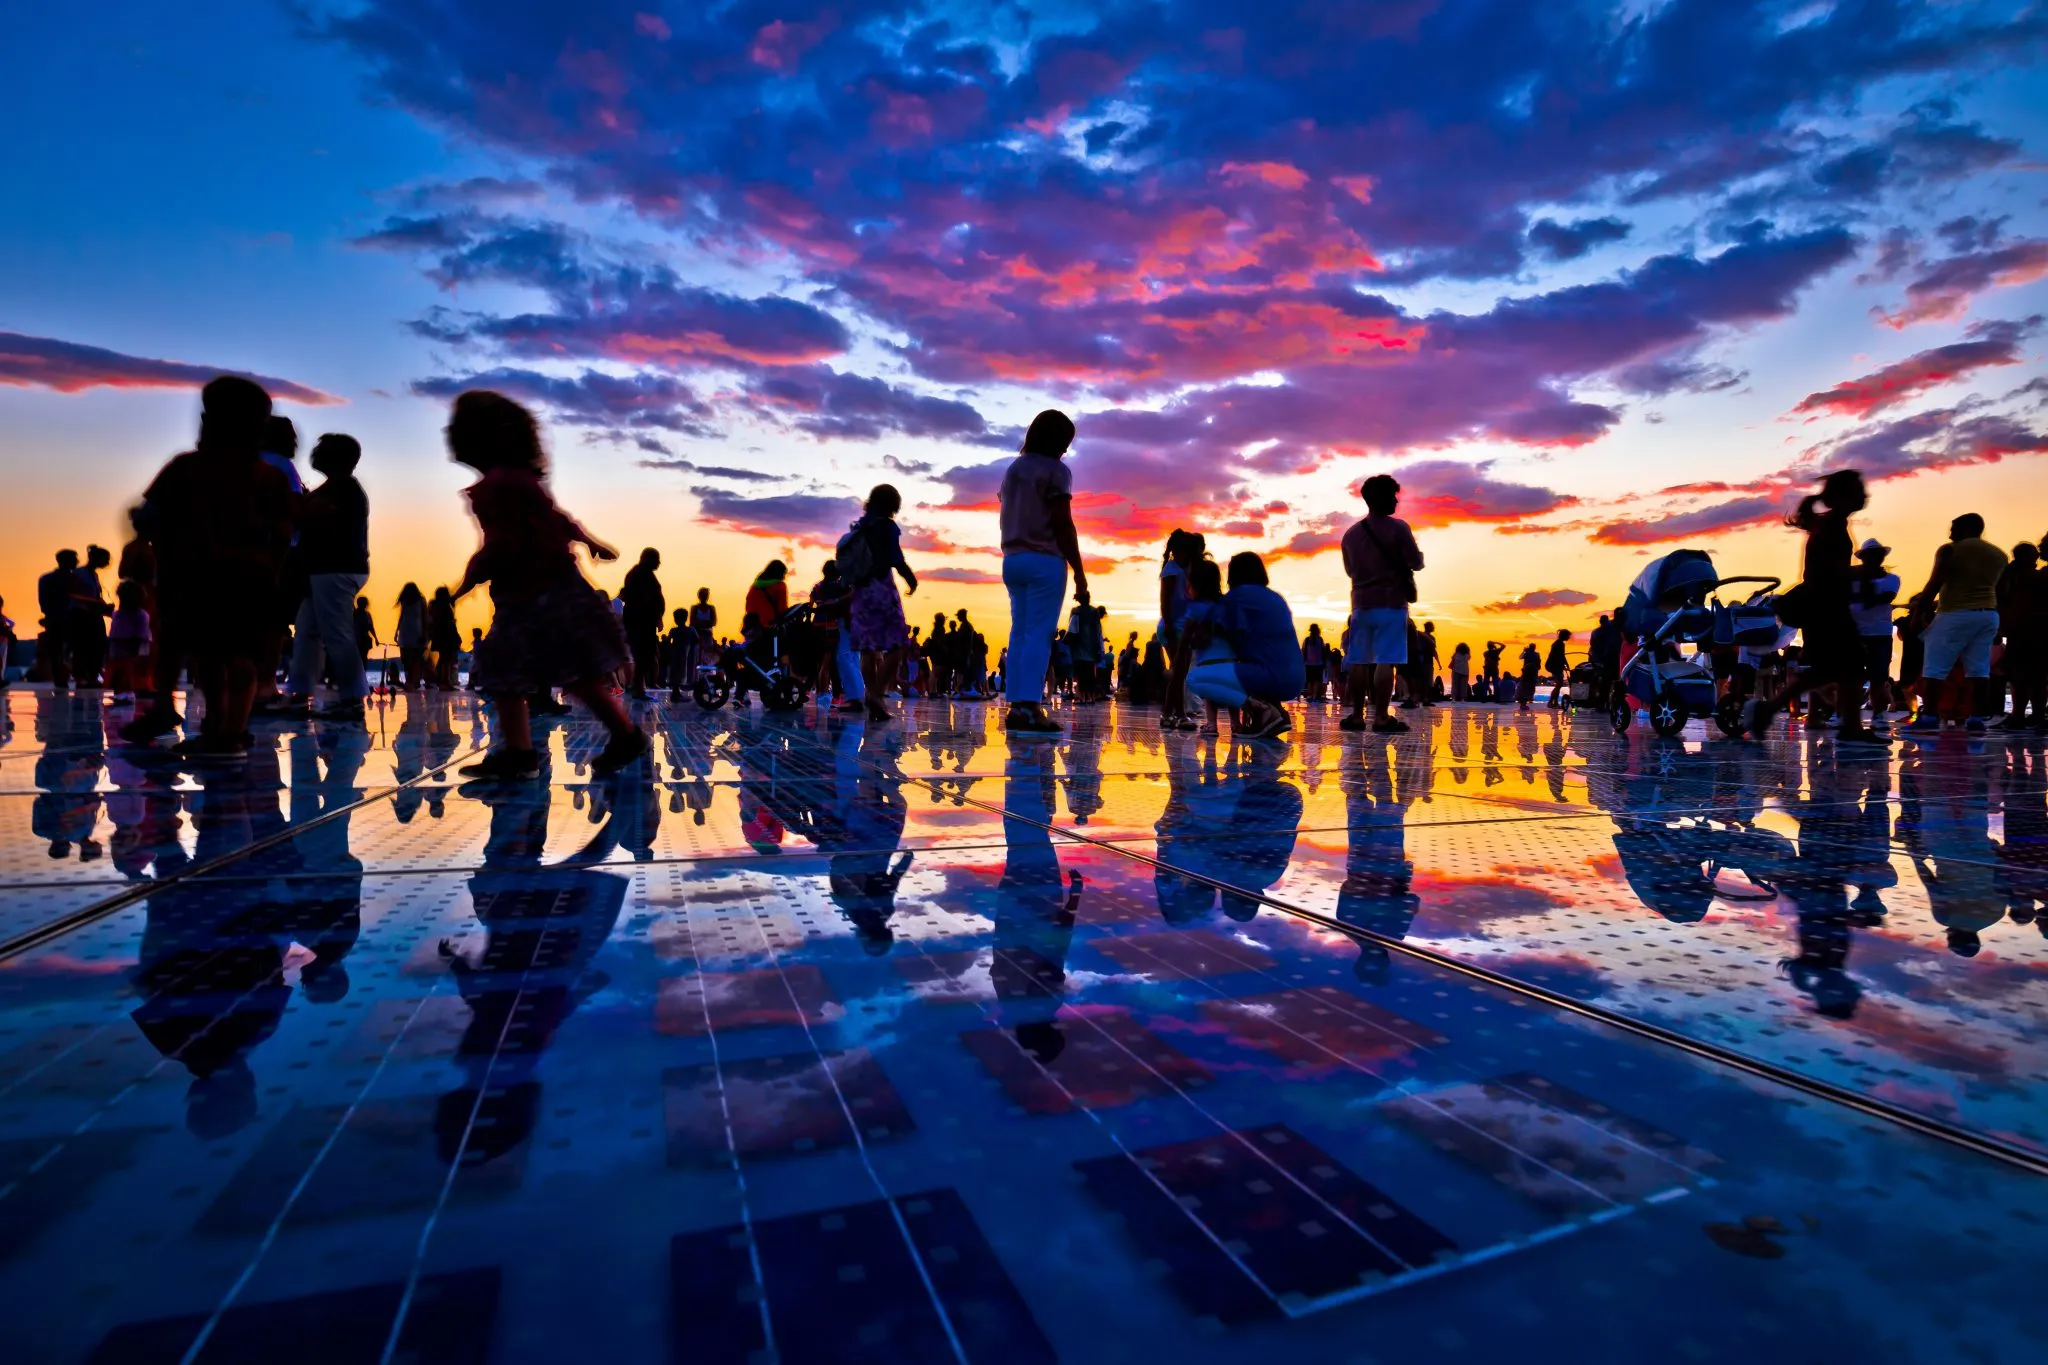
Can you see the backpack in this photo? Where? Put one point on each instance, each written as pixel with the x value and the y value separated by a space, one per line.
pixel 855 555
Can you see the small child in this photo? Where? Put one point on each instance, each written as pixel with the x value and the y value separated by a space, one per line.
pixel 1532 672
pixel 128 641
pixel 549 627
pixel 1198 627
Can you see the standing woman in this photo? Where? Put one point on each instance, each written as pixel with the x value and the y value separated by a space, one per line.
pixel 412 637
pixel 549 627
pixel 1831 649
pixel 768 595
pixel 1184 550
pixel 879 629
pixel 1461 672
pixel 444 638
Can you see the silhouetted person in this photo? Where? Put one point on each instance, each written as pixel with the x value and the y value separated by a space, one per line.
pixel 411 636
pixel 54 591
pixel 1381 559
pixel 280 451
pixel 2023 616
pixel 334 552
pixel 1964 588
pixel 870 557
pixel 549 627
pixel 644 608
pixel 1831 646
pixel 89 612
pixel 1557 665
pixel 220 520
pixel 1259 668
pixel 1039 545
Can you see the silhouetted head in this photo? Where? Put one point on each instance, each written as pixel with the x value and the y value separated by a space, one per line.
pixel 488 431
pixel 233 413
pixel 96 557
pixel 1964 942
pixel 2025 555
pixel 362 604
pixel 1603 620
pixel 324 983
pixel 884 501
pixel 67 559
pixel 1207 580
pixel 1843 491
pixel 1966 527
pixel 1042 1039
pixel 831 570
pixel 280 437
pixel 703 594
pixel 1381 493
pixel 775 572
pixel 1050 433
pixel 1185 547
pixel 1246 567
pixel 650 558
pixel 1873 551
pixel 1564 635
pixel 336 455
pixel 410 593
pixel 442 594
pixel 131 595
pixel 1316 631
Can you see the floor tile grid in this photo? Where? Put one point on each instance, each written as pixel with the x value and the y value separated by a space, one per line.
pixel 137 891
pixel 1292 1308
pixel 854 1130
pixel 1930 1126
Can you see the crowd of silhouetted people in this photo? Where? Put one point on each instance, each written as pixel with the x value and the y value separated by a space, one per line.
pixel 240 575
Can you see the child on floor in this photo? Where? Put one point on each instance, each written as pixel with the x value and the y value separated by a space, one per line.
pixel 549 627
pixel 128 663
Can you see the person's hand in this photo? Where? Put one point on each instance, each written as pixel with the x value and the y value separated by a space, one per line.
pixel 910 582
pixel 601 552
pixel 1081 590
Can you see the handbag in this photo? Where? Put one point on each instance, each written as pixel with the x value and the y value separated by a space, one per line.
pixel 1406 574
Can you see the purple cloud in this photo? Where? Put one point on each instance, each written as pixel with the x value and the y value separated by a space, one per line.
pixel 1542 599
pixel 591 399
pixel 72 367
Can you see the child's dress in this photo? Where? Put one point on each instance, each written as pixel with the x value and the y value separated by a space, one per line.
pixel 549 627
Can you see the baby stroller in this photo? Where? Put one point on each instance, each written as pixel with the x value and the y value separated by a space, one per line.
pixel 1668 608
pixel 777 662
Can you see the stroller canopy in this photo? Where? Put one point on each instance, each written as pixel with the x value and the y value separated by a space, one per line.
pixel 1664 586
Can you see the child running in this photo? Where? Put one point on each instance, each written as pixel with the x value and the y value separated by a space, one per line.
pixel 549 627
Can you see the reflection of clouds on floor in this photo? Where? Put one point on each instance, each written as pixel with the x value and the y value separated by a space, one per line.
pixel 797 1008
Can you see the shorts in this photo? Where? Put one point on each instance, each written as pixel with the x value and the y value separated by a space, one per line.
pixel 1877 658
pixel 1379 635
pixel 1964 636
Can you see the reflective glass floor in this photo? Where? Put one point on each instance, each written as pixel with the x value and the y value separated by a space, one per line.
pixel 807 1041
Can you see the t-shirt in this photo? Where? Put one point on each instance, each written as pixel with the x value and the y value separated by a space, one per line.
pixel 1210 614
pixel 218 518
pixel 335 533
pixel 1261 629
pixel 1031 486
pixel 1375 580
pixel 129 623
pixel 1173 599
pixel 1314 653
pixel 1972 582
pixel 1871 595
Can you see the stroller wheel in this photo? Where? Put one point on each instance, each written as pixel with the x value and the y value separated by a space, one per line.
pixel 1667 717
pixel 783 694
pixel 1624 712
pixel 711 690
pixel 1728 715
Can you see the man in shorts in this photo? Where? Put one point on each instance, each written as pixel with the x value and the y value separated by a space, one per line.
pixel 1380 557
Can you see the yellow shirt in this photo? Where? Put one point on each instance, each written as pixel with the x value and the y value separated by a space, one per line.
pixel 1972 582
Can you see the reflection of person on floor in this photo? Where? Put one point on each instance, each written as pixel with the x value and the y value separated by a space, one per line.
pixel 2023 856
pixel 144 807
pixel 543 924
pixel 1035 907
pixel 66 809
pixel 1816 884
pixel 1945 823
pixel 862 830
pixel 322 908
pixel 1376 895
pixel 1259 814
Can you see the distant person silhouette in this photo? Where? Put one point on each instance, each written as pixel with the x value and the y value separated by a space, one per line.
pixel 1831 646
pixel 444 638
pixel 280 450
pixel 334 555
pixel 411 637
pixel 870 556
pixel 220 521
pixel 1380 558
pixel 549 627
pixel 54 592
pixel 645 608
pixel 1039 545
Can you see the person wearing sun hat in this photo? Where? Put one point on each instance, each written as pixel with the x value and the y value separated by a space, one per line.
pixel 1873 589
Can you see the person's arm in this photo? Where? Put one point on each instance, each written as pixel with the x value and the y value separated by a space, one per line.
pixel 896 560
pixel 1192 639
pixel 1411 551
pixel 1069 540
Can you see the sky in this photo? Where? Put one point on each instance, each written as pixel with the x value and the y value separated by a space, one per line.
pixel 1594 279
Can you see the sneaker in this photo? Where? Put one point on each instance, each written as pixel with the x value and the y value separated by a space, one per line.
pixel 152 725
pixel 1025 719
pixel 621 752
pixel 1390 725
pixel 504 765
pixel 1351 723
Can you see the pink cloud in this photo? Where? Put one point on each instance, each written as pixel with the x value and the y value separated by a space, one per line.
pixel 71 367
pixel 1543 599
pixel 1991 344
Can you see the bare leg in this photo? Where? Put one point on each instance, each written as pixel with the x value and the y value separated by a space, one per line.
pixel 1382 691
pixel 515 723
pixel 1358 680
pixel 601 700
